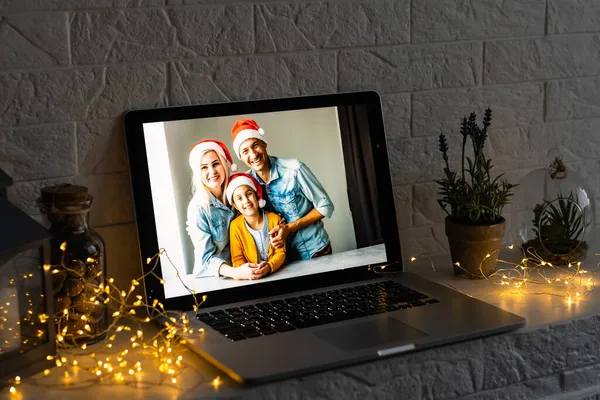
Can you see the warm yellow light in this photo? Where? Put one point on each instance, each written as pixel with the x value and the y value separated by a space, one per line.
pixel 413 259
pixel 148 260
pixel 17 379
pixel 63 246
pixel 13 390
pixel 47 267
pixel 46 372
pixel 216 382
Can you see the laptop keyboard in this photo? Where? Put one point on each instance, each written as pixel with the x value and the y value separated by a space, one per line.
pixel 305 311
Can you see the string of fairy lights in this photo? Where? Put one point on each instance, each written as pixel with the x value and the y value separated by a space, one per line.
pixel 104 364
pixel 110 360
pixel 570 282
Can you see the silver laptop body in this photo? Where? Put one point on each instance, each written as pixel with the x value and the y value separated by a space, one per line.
pixel 391 321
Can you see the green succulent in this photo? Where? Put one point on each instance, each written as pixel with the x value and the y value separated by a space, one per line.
pixel 559 224
pixel 473 196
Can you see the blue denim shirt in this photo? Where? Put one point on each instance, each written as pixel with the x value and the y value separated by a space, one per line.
pixel 292 192
pixel 210 235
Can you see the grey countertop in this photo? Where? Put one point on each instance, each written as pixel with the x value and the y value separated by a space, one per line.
pixel 548 315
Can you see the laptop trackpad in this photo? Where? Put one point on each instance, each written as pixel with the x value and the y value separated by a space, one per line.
pixel 379 333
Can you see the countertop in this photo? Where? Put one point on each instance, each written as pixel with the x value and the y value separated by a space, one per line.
pixel 548 315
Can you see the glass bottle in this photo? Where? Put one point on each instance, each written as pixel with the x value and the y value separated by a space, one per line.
pixel 78 259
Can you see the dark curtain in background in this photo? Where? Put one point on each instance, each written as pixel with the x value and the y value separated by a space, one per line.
pixel 360 174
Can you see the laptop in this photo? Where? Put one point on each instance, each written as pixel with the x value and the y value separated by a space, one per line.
pixel 324 306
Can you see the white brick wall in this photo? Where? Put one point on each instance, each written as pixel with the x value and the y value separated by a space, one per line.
pixel 68 70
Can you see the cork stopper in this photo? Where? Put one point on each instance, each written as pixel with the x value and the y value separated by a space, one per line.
pixel 64 195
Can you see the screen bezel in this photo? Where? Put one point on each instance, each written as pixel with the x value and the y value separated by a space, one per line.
pixel 144 210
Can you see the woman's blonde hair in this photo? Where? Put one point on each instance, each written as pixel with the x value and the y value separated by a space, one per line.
pixel 200 192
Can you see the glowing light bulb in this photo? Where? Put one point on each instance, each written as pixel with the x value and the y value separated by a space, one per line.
pixel 216 382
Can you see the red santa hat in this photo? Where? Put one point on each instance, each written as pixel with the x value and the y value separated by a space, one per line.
pixel 242 178
pixel 210 144
pixel 244 129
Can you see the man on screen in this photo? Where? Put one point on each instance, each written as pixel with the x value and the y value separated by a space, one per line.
pixel 292 191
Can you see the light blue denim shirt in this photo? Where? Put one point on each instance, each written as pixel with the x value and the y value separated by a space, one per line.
pixel 292 192
pixel 209 233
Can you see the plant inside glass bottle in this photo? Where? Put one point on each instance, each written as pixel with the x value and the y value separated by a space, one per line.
pixel 79 269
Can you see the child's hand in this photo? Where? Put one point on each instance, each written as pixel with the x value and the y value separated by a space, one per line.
pixel 263 270
pixel 245 271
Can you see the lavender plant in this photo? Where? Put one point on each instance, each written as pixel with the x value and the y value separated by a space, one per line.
pixel 472 196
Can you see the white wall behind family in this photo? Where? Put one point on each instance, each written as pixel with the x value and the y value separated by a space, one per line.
pixel 69 69
pixel 311 136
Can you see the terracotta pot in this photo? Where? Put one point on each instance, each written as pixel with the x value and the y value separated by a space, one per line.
pixel 469 246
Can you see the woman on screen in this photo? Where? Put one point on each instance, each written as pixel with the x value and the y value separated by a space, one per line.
pixel 209 214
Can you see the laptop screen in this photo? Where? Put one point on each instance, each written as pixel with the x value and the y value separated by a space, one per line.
pixel 248 199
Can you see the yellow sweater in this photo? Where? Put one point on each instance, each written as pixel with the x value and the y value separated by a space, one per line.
pixel 243 248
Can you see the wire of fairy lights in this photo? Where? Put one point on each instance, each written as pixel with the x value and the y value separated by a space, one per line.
pixel 102 364
pixel 573 283
pixel 570 282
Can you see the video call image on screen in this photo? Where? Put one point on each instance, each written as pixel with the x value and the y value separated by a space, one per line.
pixel 213 217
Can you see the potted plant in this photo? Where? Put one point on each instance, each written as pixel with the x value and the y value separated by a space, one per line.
pixel 473 201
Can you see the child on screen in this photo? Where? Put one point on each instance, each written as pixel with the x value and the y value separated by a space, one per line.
pixel 249 232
